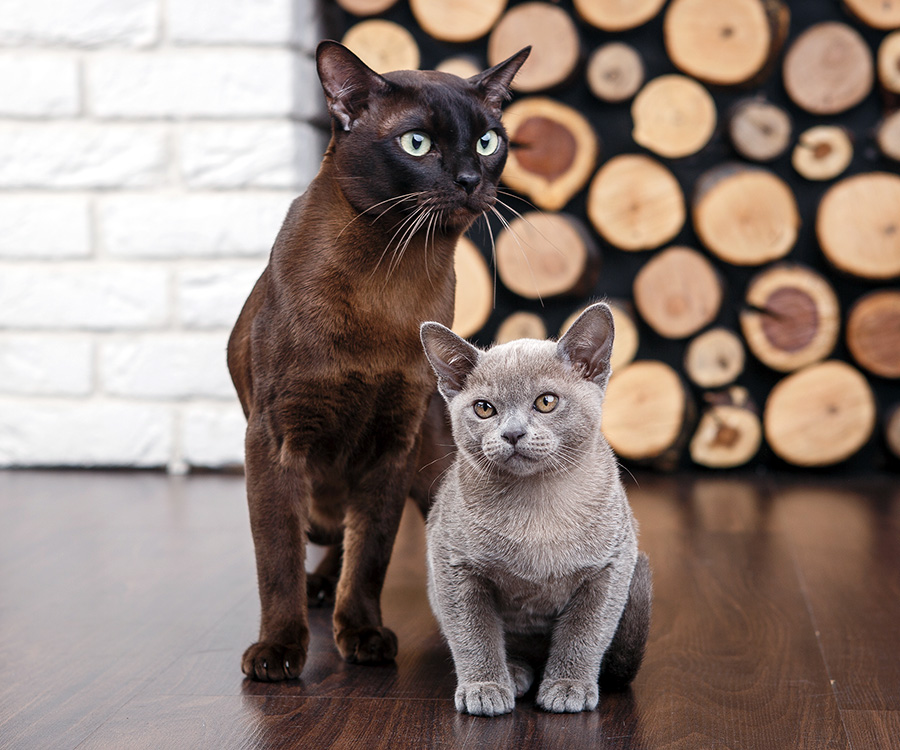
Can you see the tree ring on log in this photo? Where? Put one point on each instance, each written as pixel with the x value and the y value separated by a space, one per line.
pixel 873 332
pixel 822 152
pixel 615 72
pixel 383 45
pixel 715 358
pixel 615 15
pixel 457 22
pixel 521 325
pixel 674 116
pixel 474 289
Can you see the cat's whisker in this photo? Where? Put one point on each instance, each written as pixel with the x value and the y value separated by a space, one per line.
pixel 393 201
pixel 490 230
pixel 422 217
pixel 530 224
pixel 409 220
pixel 515 237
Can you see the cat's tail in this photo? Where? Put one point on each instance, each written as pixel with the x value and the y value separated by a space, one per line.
pixel 623 658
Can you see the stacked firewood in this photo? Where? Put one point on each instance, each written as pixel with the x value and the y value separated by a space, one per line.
pixel 725 172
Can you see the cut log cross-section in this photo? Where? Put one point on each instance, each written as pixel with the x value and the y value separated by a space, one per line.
pixel 889 63
pixel 674 116
pixel 542 255
pixel 822 152
pixel 820 415
pixel 555 48
pixel 366 7
pixel 521 325
pixel 615 72
pixel 879 14
pixel 474 289
pixel 647 414
pixel 457 21
pixel 554 151
pixel 745 215
pixel 626 341
pixel 759 130
pixel 725 43
pixel 858 225
pixel 715 358
pixel 873 332
pixel 383 45
pixel 729 432
pixel 892 430
pixel 828 69
pixel 888 136
pixel 616 15
pixel 635 203
pixel 678 292
pixel 792 317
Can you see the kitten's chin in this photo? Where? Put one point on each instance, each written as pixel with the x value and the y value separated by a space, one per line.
pixel 517 463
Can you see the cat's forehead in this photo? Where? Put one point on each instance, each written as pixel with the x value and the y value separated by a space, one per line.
pixel 448 99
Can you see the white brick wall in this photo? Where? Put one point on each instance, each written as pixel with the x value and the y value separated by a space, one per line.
pixel 149 150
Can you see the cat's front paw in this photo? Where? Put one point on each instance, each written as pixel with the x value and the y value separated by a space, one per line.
pixel 568 696
pixel 484 698
pixel 367 645
pixel 272 662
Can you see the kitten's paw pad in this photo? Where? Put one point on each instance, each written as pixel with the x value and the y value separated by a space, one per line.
pixel 568 696
pixel 484 698
pixel 273 662
pixel 320 590
pixel 522 676
pixel 367 645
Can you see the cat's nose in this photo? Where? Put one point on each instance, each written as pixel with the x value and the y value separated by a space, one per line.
pixel 512 436
pixel 468 181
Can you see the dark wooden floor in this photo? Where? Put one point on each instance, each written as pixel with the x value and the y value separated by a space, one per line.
pixel 127 599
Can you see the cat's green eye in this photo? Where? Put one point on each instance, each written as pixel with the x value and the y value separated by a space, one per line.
pixel 484 409
pixel 488 143
pixel 415 143
pixel 546 402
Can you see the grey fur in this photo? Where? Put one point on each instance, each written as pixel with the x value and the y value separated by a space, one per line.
pixel 532 546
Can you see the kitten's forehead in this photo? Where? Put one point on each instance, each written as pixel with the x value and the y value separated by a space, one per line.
pixel 518 367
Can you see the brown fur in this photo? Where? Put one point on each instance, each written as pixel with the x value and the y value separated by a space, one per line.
pixel 327 363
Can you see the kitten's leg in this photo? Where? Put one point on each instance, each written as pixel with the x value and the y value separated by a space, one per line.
pixel 464 605
pixel 622 660
pixel 581 637
pixel 278 498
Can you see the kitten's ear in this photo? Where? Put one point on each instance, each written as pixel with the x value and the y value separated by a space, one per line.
pixel 348 82
pixel 587 345
pixel 452 357
pixel 494 82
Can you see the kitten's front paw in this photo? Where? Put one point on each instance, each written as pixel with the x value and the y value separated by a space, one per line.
pixel 367 645
pixel 273 662
pixel 568 696
pixel 484 698
pixel 522 676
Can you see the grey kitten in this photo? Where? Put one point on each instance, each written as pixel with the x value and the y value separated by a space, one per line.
pixel 532 546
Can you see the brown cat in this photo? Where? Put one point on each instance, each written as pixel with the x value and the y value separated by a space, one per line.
pixel 325 355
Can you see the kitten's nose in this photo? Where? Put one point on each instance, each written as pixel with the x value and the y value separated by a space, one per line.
pixel 512 435
pixel 468 181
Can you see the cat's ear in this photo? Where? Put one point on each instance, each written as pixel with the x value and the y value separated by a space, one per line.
pixel 587 345
pixel 494 82
pixel 348 82
pixel 453 358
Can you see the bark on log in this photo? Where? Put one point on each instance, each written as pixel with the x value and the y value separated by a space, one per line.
pixel 820 415
pixel 626 341
pixel 457 20
pixel 615 15
pixel 555 45
pixel 879 14
pixel 858 226
pixel 474 289
pixel 823 152
pixel 759 130
pixel 521 325
pixel 889 64
pixel 635 203
pixel 888 136
pixel 745 215
pixel 892 430
pixel 873 332
pixel 715 358
pixel 828 69
pixel 729 432
pixel 792 317
pixel 366 7
pixel 383 45
pixel 725 43
pixel 543 255
pixel 554 151
pixel 647 413
pixel 615 72
pixel 678 292
pixel 674 116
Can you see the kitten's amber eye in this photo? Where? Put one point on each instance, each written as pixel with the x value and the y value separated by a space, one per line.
pixel 484 409
pixel 546 403
pixel 415 143
pixel 488 143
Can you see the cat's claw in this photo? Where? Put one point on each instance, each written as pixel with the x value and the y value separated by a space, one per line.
pixel 484 698
pixel 568 696
pixel 273 662
pixel 367 645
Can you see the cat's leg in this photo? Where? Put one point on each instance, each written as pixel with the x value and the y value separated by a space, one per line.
pixel 321 584
pixel 278 498
pixel 623 658
pixel 582 635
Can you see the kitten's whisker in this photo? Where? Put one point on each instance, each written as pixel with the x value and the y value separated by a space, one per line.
pixel 629 473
